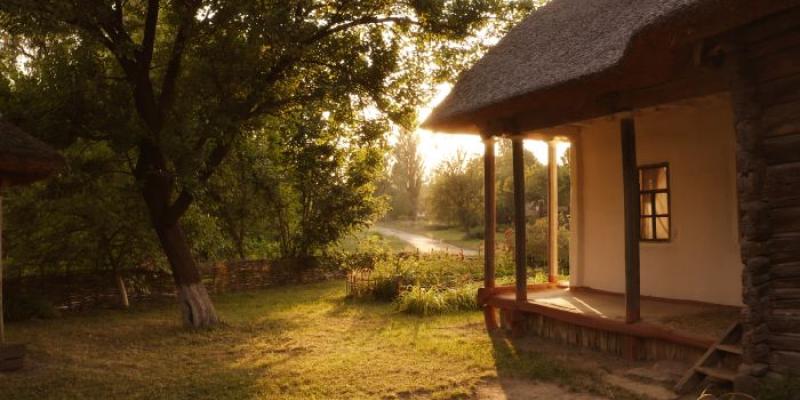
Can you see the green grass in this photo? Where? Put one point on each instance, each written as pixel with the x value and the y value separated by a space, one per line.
pixel 302 342
pixel 451 235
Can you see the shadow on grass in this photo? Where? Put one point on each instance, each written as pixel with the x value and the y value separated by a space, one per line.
pixel 516 359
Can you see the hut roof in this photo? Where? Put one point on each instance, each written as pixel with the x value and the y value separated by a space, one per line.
pixel 570 40
pixel 23 158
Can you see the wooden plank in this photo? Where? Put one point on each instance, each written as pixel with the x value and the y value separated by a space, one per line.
pixel 630 178
pixel 730 348
pixel 718 373
pixel 521 269
pixel 641 329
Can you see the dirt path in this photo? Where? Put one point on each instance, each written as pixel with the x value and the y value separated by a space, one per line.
pixel 423 243
pixel 515 389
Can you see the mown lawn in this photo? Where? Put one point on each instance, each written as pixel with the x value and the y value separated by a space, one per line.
pixel 303 342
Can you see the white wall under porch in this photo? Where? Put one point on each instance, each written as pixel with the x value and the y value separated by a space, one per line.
pixel 702 261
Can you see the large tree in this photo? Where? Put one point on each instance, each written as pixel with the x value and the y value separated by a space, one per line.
pixel 175 85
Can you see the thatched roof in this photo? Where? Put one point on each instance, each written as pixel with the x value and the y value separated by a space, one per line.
pixel 571 40
pixel 23 158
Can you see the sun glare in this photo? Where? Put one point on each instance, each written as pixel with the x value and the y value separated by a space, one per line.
pixel 437 147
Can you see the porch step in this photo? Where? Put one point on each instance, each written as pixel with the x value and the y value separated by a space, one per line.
pixel 725 353
pixel 729 348
pixel 717 373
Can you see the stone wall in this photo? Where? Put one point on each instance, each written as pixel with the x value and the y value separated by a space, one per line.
pixel 763 60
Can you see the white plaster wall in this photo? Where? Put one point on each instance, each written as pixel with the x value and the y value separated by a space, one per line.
pixel 702 260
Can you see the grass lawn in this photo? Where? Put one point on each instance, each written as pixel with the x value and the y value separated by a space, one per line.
pixel 449 235
pixel 303 342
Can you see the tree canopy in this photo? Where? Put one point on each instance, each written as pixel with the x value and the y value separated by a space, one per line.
pixel 170 89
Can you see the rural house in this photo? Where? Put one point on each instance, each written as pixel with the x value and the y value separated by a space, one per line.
pixel 684 123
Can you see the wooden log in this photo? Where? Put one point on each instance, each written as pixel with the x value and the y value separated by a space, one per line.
pixel 786 220
pixel 490 223
pixel 782 149
pixel 784 361
pixel 785 271
pixel 779 91
pixel 520 258
pixel 630 178
pixel 777 65
pixel 779 114
pixel 782 185
pixel 785 342
pixel 783 248
pixel 490 212
pixel 552 211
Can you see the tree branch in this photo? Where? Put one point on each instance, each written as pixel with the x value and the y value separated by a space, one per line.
pixel 149 37
pixel 168 86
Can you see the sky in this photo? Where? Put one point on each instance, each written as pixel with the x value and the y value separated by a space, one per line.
pixel 437 147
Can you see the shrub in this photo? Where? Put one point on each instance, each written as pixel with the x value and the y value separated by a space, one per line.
pixel 20 307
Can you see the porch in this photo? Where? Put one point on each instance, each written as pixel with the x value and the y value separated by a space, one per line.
pixel 668 329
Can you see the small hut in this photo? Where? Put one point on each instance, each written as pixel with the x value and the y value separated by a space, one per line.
pixel 682 120
pixel 23 160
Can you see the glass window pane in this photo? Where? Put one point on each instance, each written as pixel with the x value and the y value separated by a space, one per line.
pixel 662 204
pixel 653 178
pixel 662 228
pixel 647 229
pixel 646 202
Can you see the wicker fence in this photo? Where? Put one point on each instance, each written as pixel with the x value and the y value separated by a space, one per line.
pixel 87 290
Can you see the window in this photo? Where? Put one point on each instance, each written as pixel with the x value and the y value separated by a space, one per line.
pixel 655 203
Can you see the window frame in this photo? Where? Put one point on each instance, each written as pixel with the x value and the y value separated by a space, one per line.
pixel 653 218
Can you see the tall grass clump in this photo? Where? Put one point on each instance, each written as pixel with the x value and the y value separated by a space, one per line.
pixel 423 301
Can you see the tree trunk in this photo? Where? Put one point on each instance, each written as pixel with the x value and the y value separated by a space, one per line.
pixel 196 306
pixel 123 292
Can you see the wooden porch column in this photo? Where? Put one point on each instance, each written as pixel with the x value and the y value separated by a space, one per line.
pixel 630 179
pixel 552 211
pixel 519 220
pixel 490 223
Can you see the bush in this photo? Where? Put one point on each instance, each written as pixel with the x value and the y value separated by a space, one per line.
pixel 20 307
pixel 431 301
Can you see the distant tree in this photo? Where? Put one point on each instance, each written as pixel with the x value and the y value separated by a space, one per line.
pixel 406 178
pixel 175 85
pixel 535 183
pixel 456 193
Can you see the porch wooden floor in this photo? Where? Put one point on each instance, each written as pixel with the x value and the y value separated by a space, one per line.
pixel 702 321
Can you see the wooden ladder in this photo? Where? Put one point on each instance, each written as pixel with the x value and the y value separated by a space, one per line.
pixel 720 362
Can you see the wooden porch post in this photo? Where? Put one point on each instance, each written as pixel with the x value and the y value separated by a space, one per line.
pixel 552 211
pixel 519 220
pixel 630 176
pixel 2 321
pixel 490 223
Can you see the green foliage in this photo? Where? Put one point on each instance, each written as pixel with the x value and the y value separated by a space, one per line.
pixel 536 246
pixel 81 220
pixel 287 101
pixel 456 194
pixel 406 178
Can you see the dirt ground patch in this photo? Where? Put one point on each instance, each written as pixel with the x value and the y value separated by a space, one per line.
pixel 515 389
